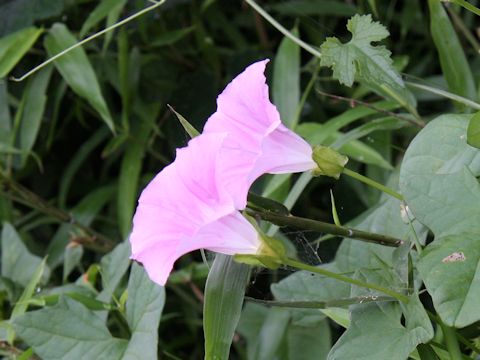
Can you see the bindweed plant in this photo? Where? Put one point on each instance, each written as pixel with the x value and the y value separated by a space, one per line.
pixel 325 205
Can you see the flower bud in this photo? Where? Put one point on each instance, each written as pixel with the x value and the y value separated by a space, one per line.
pixel 329 162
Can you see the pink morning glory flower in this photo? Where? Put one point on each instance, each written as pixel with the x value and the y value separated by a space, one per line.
pixel 193 203
pixel 257 141
pixel 186 208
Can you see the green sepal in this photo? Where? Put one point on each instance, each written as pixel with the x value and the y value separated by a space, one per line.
pixel 329 162
pixel 270 254
pixel 269 262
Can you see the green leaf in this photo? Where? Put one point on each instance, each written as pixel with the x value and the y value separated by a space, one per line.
pixel 68 330
pixel 14 46
pixel 373 322
pixel 73 256
pixel 440 186
pixel 189 128
pixel 21 306
pixel 305 286
pixel 454 64
pixel 131 167
pixel 354 149
pixel 113 266
pixel 6 123
pixel 170 37
pixel 250 325
pixel 76 161
pixel 360 60
pixel 77 70
pixel 305 341
pixel 30 113
pixel 271 334
pixel 379 124
pixel 143 309
pixel 383 218
pixel 18 264
pixel 473 131
pixel 23 302
pixel 311 8
pixel 19 14
pixel 286 80
pixel 101 12
pixel 224 293
pixel 84 213
pixel 450 268
pixel 438 177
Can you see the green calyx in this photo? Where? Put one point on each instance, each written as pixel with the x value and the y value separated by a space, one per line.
pixel 329 162
pixel 270 254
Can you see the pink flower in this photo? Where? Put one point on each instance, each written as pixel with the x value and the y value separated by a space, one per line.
pixel 186 208
pixel 257 141
pixel 193 203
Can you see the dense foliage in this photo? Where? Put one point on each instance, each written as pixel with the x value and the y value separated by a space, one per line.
pixel 391 84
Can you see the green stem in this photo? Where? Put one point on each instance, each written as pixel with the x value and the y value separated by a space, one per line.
pixel 284 31
pixel 468 6
pixel 321 304
pixel 320 226
pixel 302 266
pixel 445 94
pixel 373 183
pixel 305 94
pixel 451 342
pixel 84 41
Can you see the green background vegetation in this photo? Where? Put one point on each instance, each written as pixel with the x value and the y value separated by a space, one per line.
pixel 80 138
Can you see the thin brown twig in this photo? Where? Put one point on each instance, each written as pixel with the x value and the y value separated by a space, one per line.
pixel 363 103
pixel 18 193
pixel 261 30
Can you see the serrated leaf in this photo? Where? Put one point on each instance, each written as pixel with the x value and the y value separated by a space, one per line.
pixel 68 330
pixel 76 69
pixel 18 264
pixel 143 309
pixel 14 46
pixel 224 293
pixel 360 60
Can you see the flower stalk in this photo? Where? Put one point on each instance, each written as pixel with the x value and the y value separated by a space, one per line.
pixel 301 266
pixel 309 224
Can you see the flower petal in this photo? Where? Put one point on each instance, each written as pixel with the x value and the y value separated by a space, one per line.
pixel 257 141
pixel 184 197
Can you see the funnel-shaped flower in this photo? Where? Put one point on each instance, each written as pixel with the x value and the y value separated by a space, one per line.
pixel 185 208
pixel 257 142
